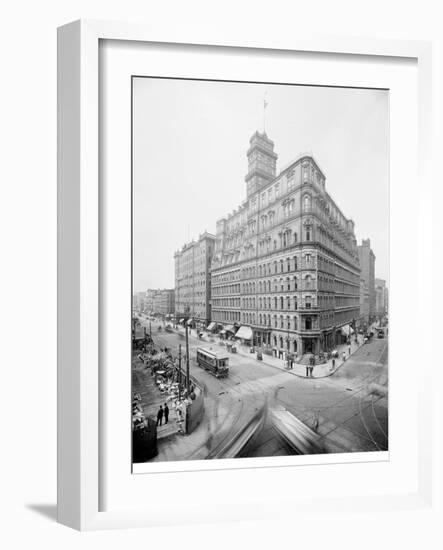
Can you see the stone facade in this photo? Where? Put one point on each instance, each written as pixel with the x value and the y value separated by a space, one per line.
pixel 367 266
pixel 193 279
pixel 163 301
pixel 286 261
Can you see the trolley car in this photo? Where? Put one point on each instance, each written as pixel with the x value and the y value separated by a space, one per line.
pixel 215 362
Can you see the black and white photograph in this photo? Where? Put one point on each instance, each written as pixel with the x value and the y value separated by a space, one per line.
pixel 260 270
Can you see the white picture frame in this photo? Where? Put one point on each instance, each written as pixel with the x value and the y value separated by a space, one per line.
pixel 79 270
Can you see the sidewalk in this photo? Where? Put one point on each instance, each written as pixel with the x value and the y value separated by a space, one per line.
pixel 320 370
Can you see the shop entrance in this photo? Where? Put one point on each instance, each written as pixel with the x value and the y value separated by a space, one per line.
pixel 309 345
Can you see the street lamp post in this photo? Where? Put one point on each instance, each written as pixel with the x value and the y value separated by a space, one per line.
pixel 179 371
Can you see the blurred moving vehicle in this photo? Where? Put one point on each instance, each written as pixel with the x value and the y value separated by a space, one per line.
pixel 296 434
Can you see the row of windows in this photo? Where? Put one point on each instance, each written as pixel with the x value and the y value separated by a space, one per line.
pixel 226 277
pixel 226 289
pixel 226 302
pixel 226 316
pixel 280 266
pixel 283 302
pixel 282 322
pixel 306 282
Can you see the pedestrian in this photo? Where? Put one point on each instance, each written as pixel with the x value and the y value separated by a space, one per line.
pixel 307 371
pixel 311 371
pixel 166 413
pixel 160 416
pixel 344 356
pixel 349 350
pixel 333 363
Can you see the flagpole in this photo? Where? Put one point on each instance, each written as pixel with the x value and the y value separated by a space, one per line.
pixel 265 104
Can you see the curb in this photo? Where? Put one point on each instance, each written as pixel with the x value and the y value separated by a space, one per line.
pixel 282 369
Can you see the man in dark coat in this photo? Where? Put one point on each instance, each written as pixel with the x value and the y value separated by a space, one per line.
pixel 166 412
pixel 159 416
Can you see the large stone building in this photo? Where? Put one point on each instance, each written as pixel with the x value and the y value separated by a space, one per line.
pixel 381 297
pixel 367 266
pixel 193 280
pixel 163 301
pixel 364 302
pixel 285 265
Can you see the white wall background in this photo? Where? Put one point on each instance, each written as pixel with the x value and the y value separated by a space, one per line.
pixel 28 274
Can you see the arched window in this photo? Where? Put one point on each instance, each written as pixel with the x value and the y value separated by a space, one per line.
pixel 288 264
pixel 281 302
pixel 308 233
pixel 308 302
pixel 308 282
pixel 282 285
pixel 281 321
pixel 295 238
pixel 288 283
pixel 295 303
pixel 306 203
pixel 288 302
pixel 275 303
pixel 288 322
pixel 281 266
pixel 295 283
pixel 308 323
pixel 295 322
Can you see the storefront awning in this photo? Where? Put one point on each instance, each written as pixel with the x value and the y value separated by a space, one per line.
pixel 346 330
pixel 245 333
pixel 230 328
pixel 211 326
pixel 190 321
pixel 181 320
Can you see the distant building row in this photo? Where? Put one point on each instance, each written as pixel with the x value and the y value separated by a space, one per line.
pixel 160 301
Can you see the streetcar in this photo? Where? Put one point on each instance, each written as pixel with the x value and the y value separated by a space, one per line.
pixel 213 361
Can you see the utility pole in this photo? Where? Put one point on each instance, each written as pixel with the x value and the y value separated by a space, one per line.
pixel 179 371
pixel 187 361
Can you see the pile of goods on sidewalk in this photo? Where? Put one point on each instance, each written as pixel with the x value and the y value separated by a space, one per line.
pixel 138 416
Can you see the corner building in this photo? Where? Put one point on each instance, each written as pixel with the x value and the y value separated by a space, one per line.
pixel 285 265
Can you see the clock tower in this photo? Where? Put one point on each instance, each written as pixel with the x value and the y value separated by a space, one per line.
pixel 261 162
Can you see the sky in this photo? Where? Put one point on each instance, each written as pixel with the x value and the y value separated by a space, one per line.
pixel 189 159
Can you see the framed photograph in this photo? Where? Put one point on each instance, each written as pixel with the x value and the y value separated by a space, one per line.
pixel 232 286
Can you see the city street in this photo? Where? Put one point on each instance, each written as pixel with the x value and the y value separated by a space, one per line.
pixel 348 409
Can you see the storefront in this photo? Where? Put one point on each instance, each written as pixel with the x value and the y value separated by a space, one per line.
pixel 244 334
